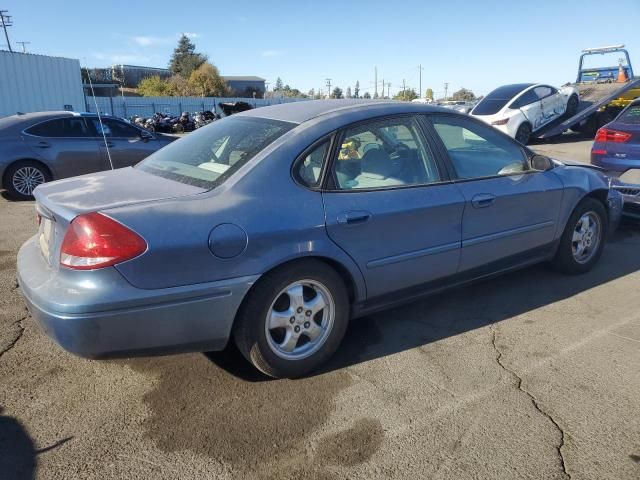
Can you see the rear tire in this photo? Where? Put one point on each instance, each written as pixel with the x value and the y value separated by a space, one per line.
pixel 22 177
pixel 524 133
pixel 284 334
pixel 583 238
pixel 572 106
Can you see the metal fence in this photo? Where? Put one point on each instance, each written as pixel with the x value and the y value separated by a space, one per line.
pixel 127 107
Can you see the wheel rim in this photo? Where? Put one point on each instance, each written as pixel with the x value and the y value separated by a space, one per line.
pixel 26 179
pixel 586 237
pixel 300 319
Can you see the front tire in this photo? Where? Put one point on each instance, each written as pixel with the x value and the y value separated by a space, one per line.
pixel 293 319
pixel 583 238
pixel 572 106
pixel 523 134
pixel 23 177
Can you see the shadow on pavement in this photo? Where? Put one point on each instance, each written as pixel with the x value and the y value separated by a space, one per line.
pixel 17 451
pixel 457 311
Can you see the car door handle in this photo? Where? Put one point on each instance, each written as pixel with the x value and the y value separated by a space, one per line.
pixel 43 144
pixel 353 217
pixel 483 200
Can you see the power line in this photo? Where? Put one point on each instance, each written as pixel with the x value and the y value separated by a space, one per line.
pixel 6 22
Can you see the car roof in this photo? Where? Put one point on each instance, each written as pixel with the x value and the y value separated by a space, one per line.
pixel 299 112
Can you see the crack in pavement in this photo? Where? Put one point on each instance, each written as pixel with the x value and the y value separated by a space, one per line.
pixel 18 337
pixel 534 401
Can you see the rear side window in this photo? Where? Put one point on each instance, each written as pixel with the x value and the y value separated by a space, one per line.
pixel 497 99
pixel 631 115
pixel 60 128
pixel 478 151
pixel 115 129
pixel 543 92
pixel 309 168
pixel 211 154
pixel 525 99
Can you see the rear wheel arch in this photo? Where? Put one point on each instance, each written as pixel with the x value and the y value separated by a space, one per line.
pixel 5 175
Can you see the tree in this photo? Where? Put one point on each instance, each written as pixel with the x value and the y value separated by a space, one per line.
pixel 185 59
pixel 207 82
pixel 366 95
pixel 356 91
pixel 463 94
pixel 278 86
pixel 348 94
pixel 179 86
pixel 154 87
pixel 337 93
pixel 406 95
pixel 429 94
pixel 312 93
pixel 375 95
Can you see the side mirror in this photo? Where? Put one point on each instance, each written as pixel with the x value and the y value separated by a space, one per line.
pixel 541 163
pixel 146 136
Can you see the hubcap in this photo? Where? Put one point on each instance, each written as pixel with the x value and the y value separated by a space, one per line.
pixel 26 179
pixel 586 237
pixel 300 320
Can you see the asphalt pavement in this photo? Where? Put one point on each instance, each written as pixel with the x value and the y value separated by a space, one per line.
pixel 533 375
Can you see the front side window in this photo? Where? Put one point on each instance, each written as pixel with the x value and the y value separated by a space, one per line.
pixel 211 154
pixel 478 151
pixel 527 98
pixel 543 92
pixel 384 153
pixel 73 127
pixel 115 129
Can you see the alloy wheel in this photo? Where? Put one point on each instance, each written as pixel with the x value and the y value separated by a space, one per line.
pixel 586 237
pixel 26 179
pixel 300 319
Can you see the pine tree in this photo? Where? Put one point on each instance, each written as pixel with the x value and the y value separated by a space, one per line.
pixel 185 59
pixel 348 93
pixel 279 85
pixel 356 91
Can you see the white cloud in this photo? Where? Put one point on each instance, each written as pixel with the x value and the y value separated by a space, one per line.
pixel 192 35
pixel 270 53
pixel 115 58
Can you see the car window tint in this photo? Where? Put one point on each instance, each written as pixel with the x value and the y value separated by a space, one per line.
pixel 115 129
pixel 631 115
pixel 542 92
pixel 61 128
pixel 383 153
pixel 309 168
pixel 526 98
pixel 498 98
pixel 211 154
pixel 478 151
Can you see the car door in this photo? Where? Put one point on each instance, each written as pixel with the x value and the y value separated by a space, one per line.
pixel 127 144
pixel 66 145
pixel 549 103
pixel 391 207
pixel 511 210
pixel 530 105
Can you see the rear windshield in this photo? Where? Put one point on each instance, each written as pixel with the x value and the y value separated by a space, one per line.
pixel 631 115
pixel 496 100
pixel 208 156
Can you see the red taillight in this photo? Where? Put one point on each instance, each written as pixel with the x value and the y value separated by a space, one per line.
pixel 613 136
pixel 597 151
pixel 96 241
pixel 504 121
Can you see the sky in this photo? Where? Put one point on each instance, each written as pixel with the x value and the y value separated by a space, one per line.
pixel 475 44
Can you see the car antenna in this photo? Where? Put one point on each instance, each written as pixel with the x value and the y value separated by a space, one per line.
pixel 104 137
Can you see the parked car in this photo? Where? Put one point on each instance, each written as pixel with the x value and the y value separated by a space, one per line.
pixel 617 148
pixel 461 106
pixel 277 225
pixel 44 146
pixel 522 109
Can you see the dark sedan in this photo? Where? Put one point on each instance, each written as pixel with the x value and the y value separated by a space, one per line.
pixel 39 147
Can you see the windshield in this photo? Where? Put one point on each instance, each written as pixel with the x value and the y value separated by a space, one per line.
pixel 208 156
pixel 496 100
pixel 631 115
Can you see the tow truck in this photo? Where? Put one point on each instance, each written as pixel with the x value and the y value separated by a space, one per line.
pixel 602 94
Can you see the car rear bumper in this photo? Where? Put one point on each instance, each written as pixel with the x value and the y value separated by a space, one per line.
pixel 98 314
pixel 614 164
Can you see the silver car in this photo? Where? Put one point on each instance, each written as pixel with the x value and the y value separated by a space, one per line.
pixel 44 146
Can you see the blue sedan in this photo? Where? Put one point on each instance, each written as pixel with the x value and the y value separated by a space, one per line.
pixel 276 226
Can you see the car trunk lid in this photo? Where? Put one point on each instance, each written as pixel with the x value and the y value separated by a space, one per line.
pixel 59 202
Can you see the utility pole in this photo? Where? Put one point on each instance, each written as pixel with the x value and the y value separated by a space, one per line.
pixel 382 87
pixel 6 22
pixel 375 95
pixel 420 82
pixel 404 89
pixel 388 89
pixel 24 44
pixel 446 88
pixel 329 87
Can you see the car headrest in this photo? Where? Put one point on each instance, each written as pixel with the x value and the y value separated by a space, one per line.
pixel 377 163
